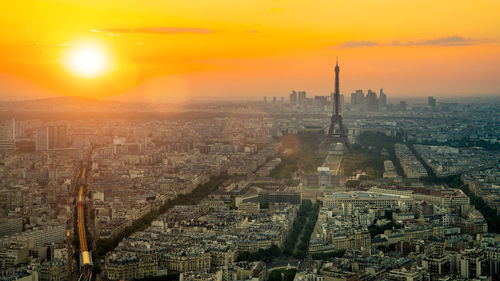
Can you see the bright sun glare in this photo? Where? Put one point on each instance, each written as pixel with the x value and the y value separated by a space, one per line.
pixel 87 61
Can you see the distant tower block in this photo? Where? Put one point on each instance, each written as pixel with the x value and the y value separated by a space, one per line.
pixel 336 121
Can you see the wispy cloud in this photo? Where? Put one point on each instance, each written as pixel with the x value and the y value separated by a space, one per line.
pixel 356 44
pixel 252 31
pixel 449 41
pixel 444 41
pixel 155 30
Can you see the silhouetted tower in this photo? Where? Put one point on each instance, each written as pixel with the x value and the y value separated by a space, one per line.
pixel 336 117
pixel 337 90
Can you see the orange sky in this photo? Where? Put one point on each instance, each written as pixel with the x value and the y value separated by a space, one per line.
pixel 184 49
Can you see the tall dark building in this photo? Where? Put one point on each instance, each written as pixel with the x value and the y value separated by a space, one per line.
pixel 60 141
pixel 358 99
pixel 301 97
pixel 50 137
pixel 293 98
pixel 431 101
pixel 372 101
pixel 403 105
pixel 340 134
pixel 382 100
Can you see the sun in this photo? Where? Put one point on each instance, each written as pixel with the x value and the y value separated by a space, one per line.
pixel 87 61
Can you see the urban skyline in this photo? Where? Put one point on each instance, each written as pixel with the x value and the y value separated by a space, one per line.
pixel 160 51
pixel 253 140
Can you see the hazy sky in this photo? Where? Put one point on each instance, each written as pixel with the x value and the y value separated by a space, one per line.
pixel 182 49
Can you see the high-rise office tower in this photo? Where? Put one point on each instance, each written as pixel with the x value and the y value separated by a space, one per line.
pixel 265 99
pixel 5 132
pixel 301 97
pixel 14 128
pixel 431 101
pixel 274 100
pixel 371 101
pixel 403 105
pixel 50 137
pixel 293 98
pixel 8 132
pixel 42 139
pixel 320 102
pixel 60 141
pixel 382 100
pixel 8 136
pixel 357 99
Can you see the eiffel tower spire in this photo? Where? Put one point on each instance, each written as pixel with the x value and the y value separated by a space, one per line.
pixel 336 117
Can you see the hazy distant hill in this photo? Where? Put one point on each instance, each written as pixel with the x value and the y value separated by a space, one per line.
pixel 68 107
pixel 76 104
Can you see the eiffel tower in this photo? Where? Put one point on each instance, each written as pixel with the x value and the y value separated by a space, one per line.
pixel 339 135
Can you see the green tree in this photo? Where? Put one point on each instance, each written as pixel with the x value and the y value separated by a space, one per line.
pixel 289 274
pixel 275 276
pixel 352 183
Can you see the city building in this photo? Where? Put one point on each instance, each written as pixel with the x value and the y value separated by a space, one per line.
pixel 293 98
pixel 431 101
pixel 56 270
pixel 301 98
pixel 358 99
pixel 372 101
pixel 437 264
pixel 382 99
pixel 366 199
pixel 473 263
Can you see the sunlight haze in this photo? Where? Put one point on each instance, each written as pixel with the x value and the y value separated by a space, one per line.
pixel 162 50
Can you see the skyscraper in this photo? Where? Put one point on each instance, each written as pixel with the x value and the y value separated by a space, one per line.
pixel 371 101
pixel 431 101
pixel 301 97
pixel 321 102
pixel 382 100
pixel 357 99
pixel 13 128
pixel 403 105
pixel 42 139
pixel 8 136
pixel 60 141
pixel 50 137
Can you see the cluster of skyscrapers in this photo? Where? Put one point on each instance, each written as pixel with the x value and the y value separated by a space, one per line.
pixel 370 102
pixel 359 101
pixel 50 137
pixel 299 99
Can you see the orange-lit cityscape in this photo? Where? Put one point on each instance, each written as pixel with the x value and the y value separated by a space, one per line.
pixel 250 140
